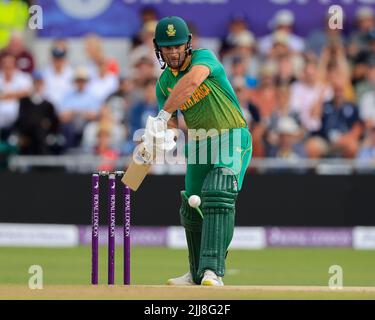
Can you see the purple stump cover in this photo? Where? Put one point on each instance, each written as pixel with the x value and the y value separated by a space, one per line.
pixel 127 235
pixel 95 228
pixel 111 228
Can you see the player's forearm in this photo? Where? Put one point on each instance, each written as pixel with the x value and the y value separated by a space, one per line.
pixel 180 93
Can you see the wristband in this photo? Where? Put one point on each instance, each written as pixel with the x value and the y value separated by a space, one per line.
pixel 164 115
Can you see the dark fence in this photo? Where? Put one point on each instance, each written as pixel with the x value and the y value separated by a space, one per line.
pixel 266 200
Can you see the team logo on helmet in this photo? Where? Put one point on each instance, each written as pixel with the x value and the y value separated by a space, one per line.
pixel 171 31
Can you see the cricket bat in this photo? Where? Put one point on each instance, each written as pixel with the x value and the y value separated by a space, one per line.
pixel 136 173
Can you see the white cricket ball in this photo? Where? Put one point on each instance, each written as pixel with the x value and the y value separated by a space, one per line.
pixel 194 201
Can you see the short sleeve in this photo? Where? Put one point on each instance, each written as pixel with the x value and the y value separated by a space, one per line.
pixel 206 58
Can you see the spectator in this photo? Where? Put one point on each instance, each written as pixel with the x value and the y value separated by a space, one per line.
pixel 104 84
pixel 237 25
pixel 308 94
pixel 144 72
pixel 367 102
pixel 243 49
pixel 145 48
pixel 249 110
pixel 16 48
pixel 341 126
pixel 282 21
pixel 280 45
pixel 14 85
pixel 318 39
pixel 289 141
pixel 238 71
pixel 283 108
pixel 286 70
pixel 334 73
pixel 367 150
pixel 120 101
pixel 95 53
pixel 148 14
pixel 104 149
pixel 78 107
pixel 37 126
pixel 368 83
pixel 147 107
pixel 360 61
pixel 196 41
pixel 281 111
pixel 371 40
pixel 281 49
pixel 264 95
pixel 365 22
pixel 117 133
pixel 58 76
pixel 251 114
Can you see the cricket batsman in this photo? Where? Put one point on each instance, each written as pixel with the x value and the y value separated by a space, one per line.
pixel 194 82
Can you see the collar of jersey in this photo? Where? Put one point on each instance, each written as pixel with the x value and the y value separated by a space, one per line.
pixel 183 67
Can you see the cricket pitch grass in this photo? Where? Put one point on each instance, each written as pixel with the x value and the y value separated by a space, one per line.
pixel 285 273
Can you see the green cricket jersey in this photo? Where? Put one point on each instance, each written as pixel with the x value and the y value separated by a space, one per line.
pixel 214 104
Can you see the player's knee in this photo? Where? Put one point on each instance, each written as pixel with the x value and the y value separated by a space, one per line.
pixel 219 192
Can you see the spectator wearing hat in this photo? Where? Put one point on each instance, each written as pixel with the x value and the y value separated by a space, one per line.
pixel 37 126
pixel 283 108
pixel 289 140
pixel 283 20
pixel 281 49
pixel 16 48
pixel 14 85
pixel 58 76
pixel 78 107
pixel 367 101
pixel 280 45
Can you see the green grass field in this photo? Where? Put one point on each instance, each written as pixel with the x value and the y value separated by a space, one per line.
pixel 152 266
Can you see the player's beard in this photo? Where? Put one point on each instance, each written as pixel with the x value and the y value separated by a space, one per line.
pixel 175 63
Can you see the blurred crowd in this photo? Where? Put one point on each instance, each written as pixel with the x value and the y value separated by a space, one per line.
pixel 311 97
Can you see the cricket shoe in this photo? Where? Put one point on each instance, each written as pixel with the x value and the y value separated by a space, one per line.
pixel 185 280
pixel 211 279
